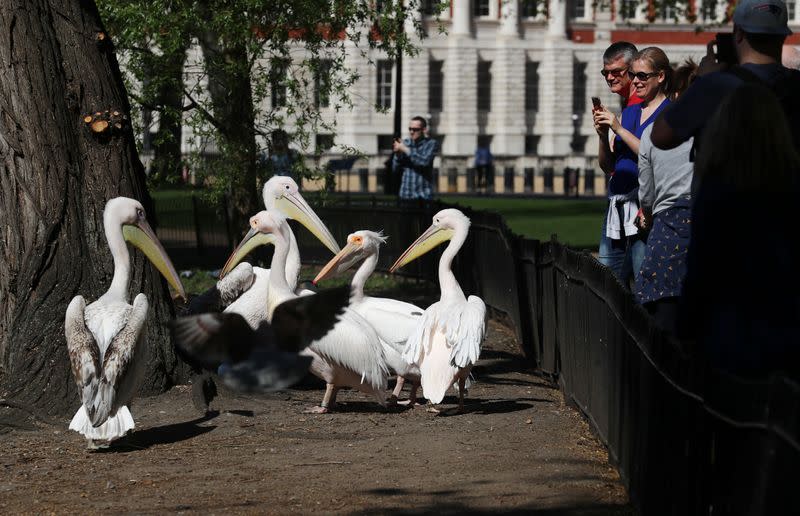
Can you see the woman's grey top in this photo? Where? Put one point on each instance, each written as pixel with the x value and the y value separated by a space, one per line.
pixel 664 175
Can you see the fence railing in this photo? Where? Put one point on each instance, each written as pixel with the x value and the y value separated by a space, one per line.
pixel 686 439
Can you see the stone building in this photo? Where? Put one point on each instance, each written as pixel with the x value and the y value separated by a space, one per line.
pixel 517 75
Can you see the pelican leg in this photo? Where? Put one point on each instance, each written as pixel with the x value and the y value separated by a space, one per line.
pixel 432 408
pixel 397 390
pixel 412 396
pixel 462 382
pixel 328 401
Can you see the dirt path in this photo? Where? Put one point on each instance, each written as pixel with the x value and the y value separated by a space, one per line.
pixel 517 448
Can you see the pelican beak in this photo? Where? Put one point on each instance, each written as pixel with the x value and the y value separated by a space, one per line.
pixel 296 208
pixel 432 237
pixel 343 260
pixel 253 239
pixel 143 238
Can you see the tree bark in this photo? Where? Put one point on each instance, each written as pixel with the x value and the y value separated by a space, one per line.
pixel 56 178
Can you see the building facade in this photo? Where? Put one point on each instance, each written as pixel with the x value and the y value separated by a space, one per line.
pixel 516 75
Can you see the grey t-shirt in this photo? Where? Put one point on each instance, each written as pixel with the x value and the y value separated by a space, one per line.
pixel 664 175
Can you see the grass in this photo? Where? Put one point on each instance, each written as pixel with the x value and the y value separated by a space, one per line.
pixel 575 221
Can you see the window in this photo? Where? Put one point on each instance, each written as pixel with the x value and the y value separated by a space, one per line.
pixel 277 81
pixel 627 9
pixel 708 9
pixel 578 87
pixel 384 96
pixel 531 143
pixel 790 9
pixel 480 8
pixel 668 12
pixel 484 85
pixel 578 9
pixel 528 8
pixel 531 86
pixel 322 83
pixel 430 7
pixel 323 142
pixel 435 85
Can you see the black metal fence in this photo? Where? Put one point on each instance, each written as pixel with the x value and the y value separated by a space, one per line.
pixel 686 439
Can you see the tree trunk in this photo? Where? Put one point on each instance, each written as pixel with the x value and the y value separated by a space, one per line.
pixel 231 96
pixel 167 157
pixel 55 68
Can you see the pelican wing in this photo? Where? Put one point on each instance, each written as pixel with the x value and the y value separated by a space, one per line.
pixel 83 352
pixel 354 345
pixel 118 360
pixel 206 341
pixel 225 292
pixel 465 330
pixel 265 370
pixel 393 320
pixel 299 322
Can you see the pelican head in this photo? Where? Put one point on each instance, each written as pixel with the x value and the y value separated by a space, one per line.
pixel 446 224
pixel 360 245
pixel 282 195
pixel 130 216
pixel 263 228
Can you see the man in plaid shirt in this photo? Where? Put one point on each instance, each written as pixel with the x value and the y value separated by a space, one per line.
pixel 414 157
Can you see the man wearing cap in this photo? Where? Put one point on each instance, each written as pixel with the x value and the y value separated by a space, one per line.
pixel 759 30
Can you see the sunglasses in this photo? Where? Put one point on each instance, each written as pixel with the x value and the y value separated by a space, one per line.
pixel 642 76
pixel 614 73
pixel 414 129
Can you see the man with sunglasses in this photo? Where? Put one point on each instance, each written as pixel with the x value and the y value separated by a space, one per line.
pixel 616 63
pixel 413 157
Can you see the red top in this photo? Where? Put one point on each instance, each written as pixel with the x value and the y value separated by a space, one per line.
pixel 633 99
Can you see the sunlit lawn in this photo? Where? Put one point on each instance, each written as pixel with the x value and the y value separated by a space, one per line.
pixel 575 221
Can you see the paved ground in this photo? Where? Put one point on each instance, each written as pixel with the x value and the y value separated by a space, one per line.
pixel 517 448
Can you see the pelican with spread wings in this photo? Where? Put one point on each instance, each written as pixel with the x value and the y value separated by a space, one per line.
pixel 105 339
pixel 448 341
pixel 350 354
pixel 394 320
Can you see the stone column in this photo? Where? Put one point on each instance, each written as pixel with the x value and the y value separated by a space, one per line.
pixel 554 121
pixel 508 86
pixel 460 115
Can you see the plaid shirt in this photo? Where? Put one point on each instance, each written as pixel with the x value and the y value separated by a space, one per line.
pixel 417 167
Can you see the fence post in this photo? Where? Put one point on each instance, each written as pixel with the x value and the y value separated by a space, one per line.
pixel 548 179
pixel 588 181
pixel 508 180
pixel 363 179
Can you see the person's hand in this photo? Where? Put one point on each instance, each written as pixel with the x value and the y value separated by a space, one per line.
pixel 709 62
pixel 608 119
pixel 399 146
pixel 602 130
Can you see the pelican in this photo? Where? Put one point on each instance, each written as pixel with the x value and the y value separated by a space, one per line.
pixel 350 355
pixel 244 291
pixel 393 320
pixel 105 339
pixel 264 359
pixel 447 343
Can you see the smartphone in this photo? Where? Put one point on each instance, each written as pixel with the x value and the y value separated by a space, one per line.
pixel 726 52
pixel 596 102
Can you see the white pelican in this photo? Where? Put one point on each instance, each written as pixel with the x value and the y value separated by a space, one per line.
pixel 350 355
pixel 244 291
pixel 105 339
pixel 393 320
pixel 266 358
pixel 448 341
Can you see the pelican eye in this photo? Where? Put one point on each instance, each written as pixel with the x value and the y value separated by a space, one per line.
pixel 140 213
pixel 357 240
pixel 287 187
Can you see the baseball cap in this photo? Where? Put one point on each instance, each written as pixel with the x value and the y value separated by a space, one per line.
pixel 762 17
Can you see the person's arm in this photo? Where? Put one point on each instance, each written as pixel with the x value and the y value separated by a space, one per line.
pixel 647 193
pixel 606 117
pixel 604 154
pixel 663 136
pixel 422 155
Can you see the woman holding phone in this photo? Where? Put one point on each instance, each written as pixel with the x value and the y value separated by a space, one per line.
pixel 622 242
